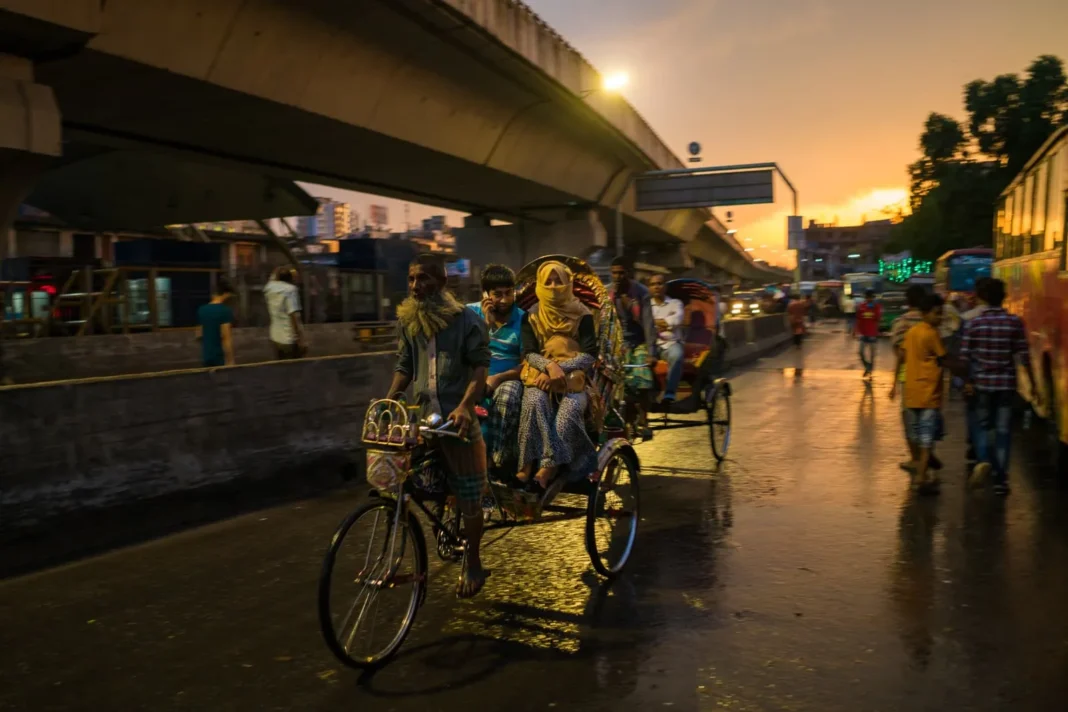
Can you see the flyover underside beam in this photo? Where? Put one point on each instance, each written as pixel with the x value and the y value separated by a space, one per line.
pixel 517 244
pixel 448 116
pixel 29 136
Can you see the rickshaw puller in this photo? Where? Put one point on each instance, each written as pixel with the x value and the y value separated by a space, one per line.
pixel 444 348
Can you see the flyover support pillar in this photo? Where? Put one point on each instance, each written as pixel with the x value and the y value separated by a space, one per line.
pixel 515 244
pixel 29 136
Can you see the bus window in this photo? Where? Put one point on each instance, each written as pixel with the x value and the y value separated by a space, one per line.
pixel 1038 220
pixel 1017 214
pixel 1058 183
pixel 999 231
pixel 1028 214
pixel 1010 215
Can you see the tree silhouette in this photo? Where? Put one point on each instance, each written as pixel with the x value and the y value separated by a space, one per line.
pixel 964 166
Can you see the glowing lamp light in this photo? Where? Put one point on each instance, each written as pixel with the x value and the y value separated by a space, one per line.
pixel 615 81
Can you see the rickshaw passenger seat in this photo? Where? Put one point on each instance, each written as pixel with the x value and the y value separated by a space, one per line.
pixel 698 332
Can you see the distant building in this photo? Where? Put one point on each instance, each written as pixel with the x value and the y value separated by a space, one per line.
pixel 434 235
pixel 377 233
pixel 833 250
pixel 244 227
pixel 332 220
pixel 435 223
pixel 379 217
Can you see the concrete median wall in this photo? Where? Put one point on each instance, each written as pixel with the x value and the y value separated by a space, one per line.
pixel 64 358
pixel 96 463
pixel 753 338
pixel 92 464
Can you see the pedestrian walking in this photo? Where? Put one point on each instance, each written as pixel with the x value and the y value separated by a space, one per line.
pixel 215 322
pixel 923 356
pixel 721 310
pixel 914 297
pixel 283 307
pixel 796 313
pixel 848 306
pixel 993 346
pixel 970 411
pixel 869 315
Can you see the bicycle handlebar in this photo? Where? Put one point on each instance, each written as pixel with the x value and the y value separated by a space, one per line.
pixel 441 430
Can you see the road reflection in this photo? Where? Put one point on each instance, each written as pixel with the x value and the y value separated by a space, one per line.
pixel 912 584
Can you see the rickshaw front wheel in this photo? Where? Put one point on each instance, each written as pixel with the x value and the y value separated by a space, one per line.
pixel 372 583
pixel 612 514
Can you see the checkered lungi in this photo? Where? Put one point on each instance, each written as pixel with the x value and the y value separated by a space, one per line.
pixel 502 427
pixel 465 469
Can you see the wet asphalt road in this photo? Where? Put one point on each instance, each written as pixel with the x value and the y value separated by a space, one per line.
pixel 802 575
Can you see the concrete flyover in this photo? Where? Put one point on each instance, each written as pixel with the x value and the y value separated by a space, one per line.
pixel 474 105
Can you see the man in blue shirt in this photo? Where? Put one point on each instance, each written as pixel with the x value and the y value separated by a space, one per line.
pixel 504 391
pixel 634 307
pixel 215 329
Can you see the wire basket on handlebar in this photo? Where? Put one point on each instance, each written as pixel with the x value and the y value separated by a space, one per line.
pixel 397 449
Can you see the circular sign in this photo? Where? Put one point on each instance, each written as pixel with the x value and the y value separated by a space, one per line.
pixel 695 148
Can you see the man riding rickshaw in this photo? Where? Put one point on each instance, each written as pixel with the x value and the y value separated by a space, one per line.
pixel 431 456
pixel 686 317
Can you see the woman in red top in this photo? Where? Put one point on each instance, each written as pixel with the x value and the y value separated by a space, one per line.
pixel 869 315
pixel 796 311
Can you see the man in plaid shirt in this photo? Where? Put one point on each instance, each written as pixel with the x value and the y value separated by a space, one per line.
pixel 993 343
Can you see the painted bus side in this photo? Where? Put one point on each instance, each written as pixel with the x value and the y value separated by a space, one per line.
pixel 1030 225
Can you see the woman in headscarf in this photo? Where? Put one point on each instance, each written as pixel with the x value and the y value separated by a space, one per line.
pixel 559 346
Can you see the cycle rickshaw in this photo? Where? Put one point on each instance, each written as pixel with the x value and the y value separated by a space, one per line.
pixel 704 354
pixel 404 468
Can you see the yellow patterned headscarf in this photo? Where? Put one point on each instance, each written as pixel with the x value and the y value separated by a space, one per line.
pixel 559 310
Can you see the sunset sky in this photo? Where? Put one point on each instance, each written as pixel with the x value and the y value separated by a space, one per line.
pixel 835 91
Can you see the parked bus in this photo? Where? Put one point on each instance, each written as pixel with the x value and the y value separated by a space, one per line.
pixel 1029 231
pixel 927 281
pixel 827 296
pixel 957 271
pixel 857 283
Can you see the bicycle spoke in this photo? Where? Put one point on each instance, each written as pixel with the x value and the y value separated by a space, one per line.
pixel 356 625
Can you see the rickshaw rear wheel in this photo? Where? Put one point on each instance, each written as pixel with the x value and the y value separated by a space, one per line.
pixel 612 514
pixel 718 409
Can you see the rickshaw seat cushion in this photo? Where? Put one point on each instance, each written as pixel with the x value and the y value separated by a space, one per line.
pixel 689 365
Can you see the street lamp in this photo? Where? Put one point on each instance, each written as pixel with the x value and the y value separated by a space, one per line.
pixel 610 84
pixel 615 81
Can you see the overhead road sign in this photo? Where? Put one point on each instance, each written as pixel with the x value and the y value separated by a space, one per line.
pixel 704 189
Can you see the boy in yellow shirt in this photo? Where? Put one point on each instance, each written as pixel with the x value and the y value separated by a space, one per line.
pixel 924 358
